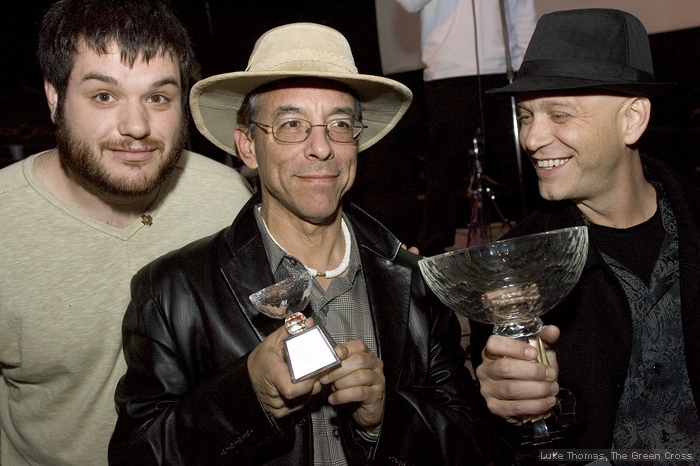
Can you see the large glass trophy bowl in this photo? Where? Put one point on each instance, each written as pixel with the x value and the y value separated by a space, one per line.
pixel 509 283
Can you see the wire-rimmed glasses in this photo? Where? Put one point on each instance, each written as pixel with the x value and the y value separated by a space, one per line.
pixel 295 130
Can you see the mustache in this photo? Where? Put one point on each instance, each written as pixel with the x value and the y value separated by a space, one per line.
pixel 129 143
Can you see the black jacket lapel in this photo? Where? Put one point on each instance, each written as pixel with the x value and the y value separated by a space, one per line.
pixel 247 269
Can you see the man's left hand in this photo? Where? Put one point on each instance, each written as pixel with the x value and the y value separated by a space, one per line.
pixel 359 379
pixel 514 385
pixel 412 249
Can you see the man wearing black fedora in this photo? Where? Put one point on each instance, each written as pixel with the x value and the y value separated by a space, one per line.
pixel 626 372
pixel 208 381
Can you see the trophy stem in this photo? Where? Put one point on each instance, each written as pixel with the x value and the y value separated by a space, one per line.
pixel 540 432
pixel 536 341
pixel 519 329
pixel 295 323
pixel 529 332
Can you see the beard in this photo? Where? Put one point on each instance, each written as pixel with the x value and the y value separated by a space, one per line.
pixel 78 157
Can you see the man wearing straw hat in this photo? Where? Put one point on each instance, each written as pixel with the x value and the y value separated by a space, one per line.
pixel 207 381
pixel 627 350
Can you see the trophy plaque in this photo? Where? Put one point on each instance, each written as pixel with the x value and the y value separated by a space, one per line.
pixel 307 351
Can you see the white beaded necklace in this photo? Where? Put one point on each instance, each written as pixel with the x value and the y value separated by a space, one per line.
pixel 328 273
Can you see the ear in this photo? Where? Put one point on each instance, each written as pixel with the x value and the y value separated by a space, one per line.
pixel 245 146
pixel 51 98
pixel 637 118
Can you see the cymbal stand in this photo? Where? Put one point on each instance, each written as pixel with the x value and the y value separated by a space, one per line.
pixel 479 194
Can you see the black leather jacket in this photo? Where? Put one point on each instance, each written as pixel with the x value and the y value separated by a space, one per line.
pixel 187 399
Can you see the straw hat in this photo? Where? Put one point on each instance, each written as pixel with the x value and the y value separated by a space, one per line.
pixel 294 50
pixel 587 49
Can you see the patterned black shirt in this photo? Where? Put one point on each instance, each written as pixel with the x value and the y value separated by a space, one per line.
pixel 657 410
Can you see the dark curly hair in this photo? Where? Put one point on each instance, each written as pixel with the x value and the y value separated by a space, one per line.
pixel 141 29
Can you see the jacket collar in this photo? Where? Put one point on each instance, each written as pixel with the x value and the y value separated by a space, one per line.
pixel 372 235
pixel 247 270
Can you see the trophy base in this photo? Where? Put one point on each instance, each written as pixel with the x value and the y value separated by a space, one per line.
pixel 309 353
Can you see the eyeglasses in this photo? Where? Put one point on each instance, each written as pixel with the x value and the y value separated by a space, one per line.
pixel 295 130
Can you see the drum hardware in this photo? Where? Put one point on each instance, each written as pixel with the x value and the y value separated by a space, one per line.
pixel 481 191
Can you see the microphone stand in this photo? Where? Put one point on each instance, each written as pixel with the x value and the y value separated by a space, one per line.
pixel 510 74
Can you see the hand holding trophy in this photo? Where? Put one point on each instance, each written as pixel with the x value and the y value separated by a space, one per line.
pixel 308 351
pixel 511 283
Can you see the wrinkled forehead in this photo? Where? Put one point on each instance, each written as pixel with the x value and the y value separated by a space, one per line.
pixel 547 101
pixel 588 103
pixel 301 97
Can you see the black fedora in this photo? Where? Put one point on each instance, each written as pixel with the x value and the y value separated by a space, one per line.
pixel 587 50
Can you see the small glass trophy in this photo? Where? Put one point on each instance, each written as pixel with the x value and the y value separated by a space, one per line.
pixel 307 351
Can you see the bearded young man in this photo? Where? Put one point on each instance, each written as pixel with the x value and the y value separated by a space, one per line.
pixel 79 220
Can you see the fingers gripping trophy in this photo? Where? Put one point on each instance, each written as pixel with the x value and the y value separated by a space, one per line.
pixel 511 283
pixel 307 351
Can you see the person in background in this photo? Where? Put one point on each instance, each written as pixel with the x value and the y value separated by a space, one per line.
pixel 79 220
pixel 626 374
pixel 207 382
pixel 464 53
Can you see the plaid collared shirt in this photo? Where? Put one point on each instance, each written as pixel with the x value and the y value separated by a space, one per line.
pixel 343 313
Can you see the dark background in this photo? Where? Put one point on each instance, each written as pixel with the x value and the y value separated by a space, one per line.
pixel 388 184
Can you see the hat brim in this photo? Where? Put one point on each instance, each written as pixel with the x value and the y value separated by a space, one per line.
pixel 215 101
pixel 548 84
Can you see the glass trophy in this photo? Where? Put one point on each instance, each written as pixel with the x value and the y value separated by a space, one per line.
pixel 511 283
pixel 307 351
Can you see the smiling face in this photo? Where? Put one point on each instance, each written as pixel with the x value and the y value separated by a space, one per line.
pixel 120 128
pixel 578 144
pixel 306 180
